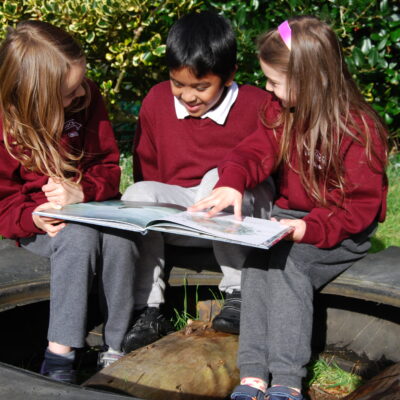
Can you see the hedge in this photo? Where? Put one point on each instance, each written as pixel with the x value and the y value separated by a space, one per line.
pixel 124 42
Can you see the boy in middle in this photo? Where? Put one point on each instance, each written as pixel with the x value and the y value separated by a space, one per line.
pixel 186 126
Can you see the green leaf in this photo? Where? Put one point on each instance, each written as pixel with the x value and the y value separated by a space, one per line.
pixel 388 119
pixel 102 24
pixel 395 35
pixel 10 8
pixel 373 57
pixel 106 10
pixel 383 6
pixel 159 51
pixel 90 37
pixel 366 45
pixel 382 43
pixel 358 57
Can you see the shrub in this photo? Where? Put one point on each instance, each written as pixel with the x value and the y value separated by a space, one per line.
pixel 124 41
pixel 369 31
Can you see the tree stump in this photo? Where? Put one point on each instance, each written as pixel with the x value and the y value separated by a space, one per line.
pixel 196 363
pixel 384 386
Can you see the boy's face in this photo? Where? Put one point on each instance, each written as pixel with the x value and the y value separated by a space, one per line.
pixel 197 95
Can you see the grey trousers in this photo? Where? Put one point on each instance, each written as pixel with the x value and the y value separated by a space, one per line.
pixel 149 283
pixel 78 253
pixel 277 308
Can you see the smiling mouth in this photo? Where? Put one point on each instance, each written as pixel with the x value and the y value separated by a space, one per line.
pixel 193 107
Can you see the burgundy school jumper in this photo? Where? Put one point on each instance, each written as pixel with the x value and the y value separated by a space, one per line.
pixel 180 151
pixel 20 190
pixel 365 189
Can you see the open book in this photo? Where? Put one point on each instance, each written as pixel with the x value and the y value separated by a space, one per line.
pixel 140 217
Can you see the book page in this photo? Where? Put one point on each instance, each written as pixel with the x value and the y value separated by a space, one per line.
pixel 225 227
pixel 120 214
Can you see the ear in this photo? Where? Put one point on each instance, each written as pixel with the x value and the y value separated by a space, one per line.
pixel 231 78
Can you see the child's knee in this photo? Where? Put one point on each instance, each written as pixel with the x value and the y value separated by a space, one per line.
pixel 77 234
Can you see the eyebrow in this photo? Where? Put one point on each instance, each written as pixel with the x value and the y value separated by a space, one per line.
pixel 205 83
pixel 271 80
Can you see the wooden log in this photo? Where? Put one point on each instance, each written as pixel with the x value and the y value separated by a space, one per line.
pixel 195 363
pixel 384 386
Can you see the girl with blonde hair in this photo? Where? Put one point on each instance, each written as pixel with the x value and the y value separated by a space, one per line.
pixel 329 148
pixel 57 147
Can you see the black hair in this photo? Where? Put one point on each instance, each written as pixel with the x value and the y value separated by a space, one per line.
pixel 203 42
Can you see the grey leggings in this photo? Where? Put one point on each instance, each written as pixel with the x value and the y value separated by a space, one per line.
pixel 277 309
pixel 78 253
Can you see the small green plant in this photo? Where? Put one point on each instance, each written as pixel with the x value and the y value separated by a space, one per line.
pixel 219 298
pixel 328 376
pixel 181 318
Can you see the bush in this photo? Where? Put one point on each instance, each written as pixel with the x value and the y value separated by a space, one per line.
pixel 124 41
pixel 369 32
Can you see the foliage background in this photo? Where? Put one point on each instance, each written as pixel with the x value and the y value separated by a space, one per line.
pixel 124 42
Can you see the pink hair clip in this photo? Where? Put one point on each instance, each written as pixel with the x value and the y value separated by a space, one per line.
pixel 286 34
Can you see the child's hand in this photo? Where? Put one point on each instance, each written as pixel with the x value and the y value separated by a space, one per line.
pixel 299 228
pixel 218 200
pixel 49 225
pixel 62 193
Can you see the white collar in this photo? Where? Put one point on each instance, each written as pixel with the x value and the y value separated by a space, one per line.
pixel 218 114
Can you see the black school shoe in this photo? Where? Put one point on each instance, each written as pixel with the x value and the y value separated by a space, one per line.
pixel 149 326
pixel 228 320
pixel 58 368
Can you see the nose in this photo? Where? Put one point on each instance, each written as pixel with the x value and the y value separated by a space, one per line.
pixel 80 92
pixel 188 95
pixel 268 86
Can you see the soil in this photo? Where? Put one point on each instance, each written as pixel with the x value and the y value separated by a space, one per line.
pixel 316 393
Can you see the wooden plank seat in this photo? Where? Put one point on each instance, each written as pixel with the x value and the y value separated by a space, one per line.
pixel 375 278
pixel 24 277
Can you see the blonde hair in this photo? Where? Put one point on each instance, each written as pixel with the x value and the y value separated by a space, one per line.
pixel 35 59
pixel 328 107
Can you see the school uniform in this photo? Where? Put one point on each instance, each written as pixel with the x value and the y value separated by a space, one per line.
pixel 78 252
pixel 277 292
pixel 175 160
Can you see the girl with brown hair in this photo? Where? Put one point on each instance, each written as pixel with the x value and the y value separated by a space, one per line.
pixel 57 147
pixel 329 148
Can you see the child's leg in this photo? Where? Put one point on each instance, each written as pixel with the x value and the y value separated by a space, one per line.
pixel 149 324
pixel 149 282
pixel 283 294
pixel 287 308
pixel 256 203
pixel 231 258
pixel 73 255
pixel 118 255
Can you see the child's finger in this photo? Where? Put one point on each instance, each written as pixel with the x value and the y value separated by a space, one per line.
pixel 214 210
pixel 201 205
pixel 56 205
pixel 237 209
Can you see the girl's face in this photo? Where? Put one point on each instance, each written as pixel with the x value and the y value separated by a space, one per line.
pixel 276 82
pixel 72 85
